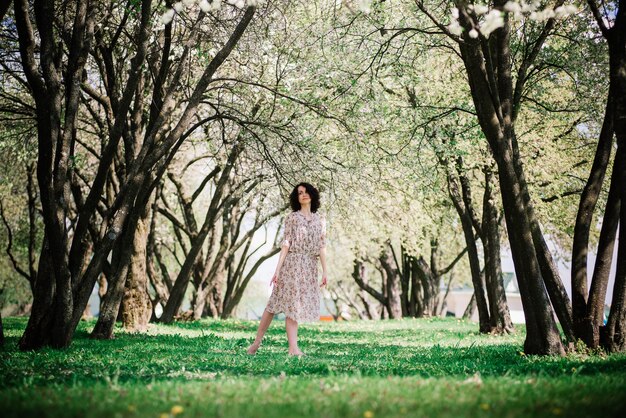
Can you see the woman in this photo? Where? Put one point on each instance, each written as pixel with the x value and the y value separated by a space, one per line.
pixel 296 290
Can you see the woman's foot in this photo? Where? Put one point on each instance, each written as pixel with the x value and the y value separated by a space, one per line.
pixel 253 348
pixel 296 352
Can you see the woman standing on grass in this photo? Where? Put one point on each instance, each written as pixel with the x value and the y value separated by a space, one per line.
pixel 296 291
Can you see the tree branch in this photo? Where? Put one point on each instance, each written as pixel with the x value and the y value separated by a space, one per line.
pixel 10 245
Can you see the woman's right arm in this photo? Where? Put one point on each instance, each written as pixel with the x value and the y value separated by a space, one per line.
pixel 283 254
pixel 284 248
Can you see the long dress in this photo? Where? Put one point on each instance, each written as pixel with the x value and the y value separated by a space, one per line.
pixel 297 291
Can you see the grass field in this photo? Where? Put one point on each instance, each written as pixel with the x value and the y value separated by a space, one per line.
pixel 424 368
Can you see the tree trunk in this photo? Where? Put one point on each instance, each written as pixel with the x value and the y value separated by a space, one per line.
pixel 429 286
pixel 122 264
pixel 417 291
pixel 111 303
pixel 369 311
pixel 405 285
pixel 64 284
pixel 488 67
pixel 137 307
pixel 37 333
pixel 500 317
pixel 360 278
pixel 182 280
pixel 616 324
pixel 590 332
pixel 472 251
pixel 231 299
pixel 470 308
pixel 542 335
pixel 585 327
pixel 392 283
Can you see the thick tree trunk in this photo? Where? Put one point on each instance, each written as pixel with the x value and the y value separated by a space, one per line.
pixel 64 284
pixel 549 272
pixel 429 285
pixel 111 303
pixel 214 301
pixel 392 283
pixel 122 260
pixel 137 307
pixel 542 336
pixel 198 301
pixel 417 292
pixel 490 83
pixel 37 333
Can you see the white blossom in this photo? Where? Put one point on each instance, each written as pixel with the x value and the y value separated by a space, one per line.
pixel 564 11
pixel 167 16
pixel 216 5
pixel 473 34
pixel 254 3
pixel 570 9
pixel 455 13
pixel 493 21
pixel 480 9
pixel 512 6
pixel 528 7
pixel 542 15
pixel 365 6
pixel 178 6
pixel 189 3
pixel 205 6
pixel 455 28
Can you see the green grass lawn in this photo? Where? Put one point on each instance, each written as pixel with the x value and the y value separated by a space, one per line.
pixel 425 368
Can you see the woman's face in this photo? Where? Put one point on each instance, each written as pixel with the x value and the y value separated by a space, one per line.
pixel 303 196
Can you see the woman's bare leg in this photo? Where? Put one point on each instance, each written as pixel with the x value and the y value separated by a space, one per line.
pixel 292 337
pixel 266 320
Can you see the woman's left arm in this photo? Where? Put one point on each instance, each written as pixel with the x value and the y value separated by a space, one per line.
pixel 323 253
pixel 324 271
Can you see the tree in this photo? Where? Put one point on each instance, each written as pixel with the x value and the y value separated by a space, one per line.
pixel 68 270
pixel 588 306
pixel 496 94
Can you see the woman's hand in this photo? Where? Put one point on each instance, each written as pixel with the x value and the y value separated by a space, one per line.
pixel 324 281
pixel 274 281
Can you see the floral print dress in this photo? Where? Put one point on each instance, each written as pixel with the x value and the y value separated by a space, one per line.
pixel 297 291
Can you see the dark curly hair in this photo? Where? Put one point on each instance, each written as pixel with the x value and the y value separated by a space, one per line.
pixel 313 193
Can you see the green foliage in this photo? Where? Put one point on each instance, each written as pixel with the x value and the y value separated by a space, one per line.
pixel 430 367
